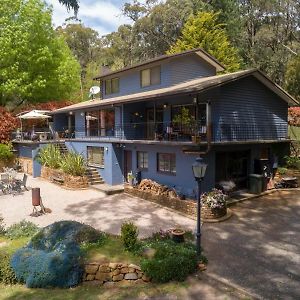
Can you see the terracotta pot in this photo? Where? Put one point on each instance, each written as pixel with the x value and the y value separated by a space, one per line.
pixel 178 235
pixel 213 213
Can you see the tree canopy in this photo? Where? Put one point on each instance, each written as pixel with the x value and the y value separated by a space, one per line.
pixel 203 31
pixel 36 64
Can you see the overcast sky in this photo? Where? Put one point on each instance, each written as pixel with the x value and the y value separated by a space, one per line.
pixel 102 15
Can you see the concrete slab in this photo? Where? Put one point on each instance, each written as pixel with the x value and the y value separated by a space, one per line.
pixel 108 189
pixel 92 207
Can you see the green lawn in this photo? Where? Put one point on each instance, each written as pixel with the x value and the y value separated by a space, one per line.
pixel 111 251
pixel 19 292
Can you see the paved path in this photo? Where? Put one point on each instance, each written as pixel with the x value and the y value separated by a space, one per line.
pixel 92 207
pixel 258 249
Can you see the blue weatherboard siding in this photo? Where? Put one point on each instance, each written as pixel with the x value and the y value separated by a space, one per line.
pixel 112 171
pixel 248 105
pixel 173 71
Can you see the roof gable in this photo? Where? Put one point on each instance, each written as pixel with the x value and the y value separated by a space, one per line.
pixel 199 52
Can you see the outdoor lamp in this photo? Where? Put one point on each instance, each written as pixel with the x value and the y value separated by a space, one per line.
pixel 199 168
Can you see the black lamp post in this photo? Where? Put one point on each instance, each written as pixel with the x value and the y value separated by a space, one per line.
pixel 199 168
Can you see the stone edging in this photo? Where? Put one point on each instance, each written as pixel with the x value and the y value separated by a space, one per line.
pixel 113 273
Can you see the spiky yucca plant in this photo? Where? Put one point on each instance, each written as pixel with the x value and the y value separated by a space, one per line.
pixel 50 156
pixel 73 164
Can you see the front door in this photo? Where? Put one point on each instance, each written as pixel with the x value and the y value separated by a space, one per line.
pixel 127 163
pixel 233 166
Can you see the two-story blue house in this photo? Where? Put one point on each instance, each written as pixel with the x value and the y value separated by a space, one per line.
pixel 158 116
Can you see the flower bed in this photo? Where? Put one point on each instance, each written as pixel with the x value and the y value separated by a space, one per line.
pixel 214 204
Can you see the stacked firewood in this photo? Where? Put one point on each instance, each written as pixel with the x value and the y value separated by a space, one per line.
pixel 148 185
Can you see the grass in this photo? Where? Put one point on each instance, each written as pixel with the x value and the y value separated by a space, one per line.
pixel 10 246
pixel 20 292
pixel 111 250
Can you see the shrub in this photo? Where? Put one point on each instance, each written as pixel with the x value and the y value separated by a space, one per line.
pixel 53 257
pixel 171 261
pixel 6 154
pixel 42 269
pixel 282 171
pixel 73 164
pixel 7 274
pixel 50 156
pixel 2 227
pixel 129 236
pixel 292 161
pixel 21 229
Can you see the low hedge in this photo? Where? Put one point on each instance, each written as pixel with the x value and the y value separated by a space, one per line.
pixel 171 261
pixel 7 274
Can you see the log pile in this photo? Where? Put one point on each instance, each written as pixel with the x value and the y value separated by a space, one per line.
pixel 148 185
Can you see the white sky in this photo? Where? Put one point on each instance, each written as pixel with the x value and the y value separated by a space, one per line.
pixel 102 15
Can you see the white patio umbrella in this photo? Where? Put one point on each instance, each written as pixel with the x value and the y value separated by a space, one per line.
pixel 33 115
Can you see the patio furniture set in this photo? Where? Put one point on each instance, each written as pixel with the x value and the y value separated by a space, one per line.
pixel 9 184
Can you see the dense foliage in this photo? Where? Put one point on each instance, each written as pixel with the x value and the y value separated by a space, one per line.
pixel 6 153
pixel 53 256
pixel 294 116
pixel 171 261
pixel 204 31
pixel 73 164
pixel 129 235
pixel 21 229
pixel 7 274
pixel 50 156
pixel 36 63
pixel 8 123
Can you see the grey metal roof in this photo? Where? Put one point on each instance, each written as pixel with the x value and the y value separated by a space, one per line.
pixel 192 86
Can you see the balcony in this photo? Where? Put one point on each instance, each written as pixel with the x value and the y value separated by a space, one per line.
pixel 160 132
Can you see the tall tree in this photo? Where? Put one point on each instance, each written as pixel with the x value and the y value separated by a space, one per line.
pixel 203 31
pixel 271 27
pixel 36 64
pixel 71 4
pixel 292 77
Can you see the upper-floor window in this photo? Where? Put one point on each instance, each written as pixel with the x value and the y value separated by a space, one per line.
pixel 150 76
pixel 112 86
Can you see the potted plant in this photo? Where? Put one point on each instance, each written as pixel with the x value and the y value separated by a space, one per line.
pixel 178 235
pixel 213 204
pixel 130 178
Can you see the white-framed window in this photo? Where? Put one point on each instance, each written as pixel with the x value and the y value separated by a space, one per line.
pixel 95 156
pixel 166 163
pixel 150 76
pixel 142 160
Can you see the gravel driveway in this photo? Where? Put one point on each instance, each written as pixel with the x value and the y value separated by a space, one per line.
pixel 258 249
pixel 92 207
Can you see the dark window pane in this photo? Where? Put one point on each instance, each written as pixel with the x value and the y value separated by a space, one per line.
pixel 155 75
pixel 115 85
pixel 107 86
